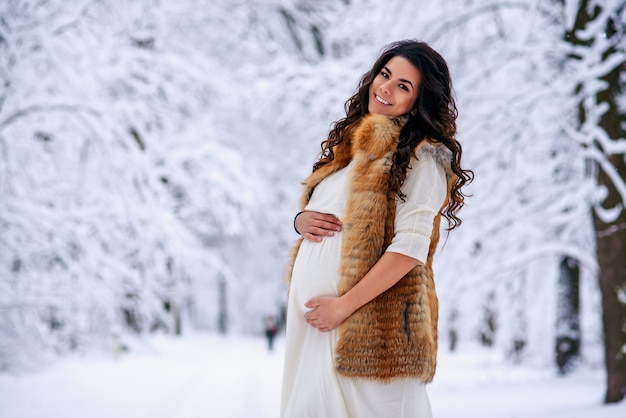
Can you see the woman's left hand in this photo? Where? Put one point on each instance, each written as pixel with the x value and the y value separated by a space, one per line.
pixel 328 312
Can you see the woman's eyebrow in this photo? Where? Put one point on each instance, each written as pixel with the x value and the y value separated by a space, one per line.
pixel 402 79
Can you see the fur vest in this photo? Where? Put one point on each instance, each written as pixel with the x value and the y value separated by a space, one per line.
pixel 395 335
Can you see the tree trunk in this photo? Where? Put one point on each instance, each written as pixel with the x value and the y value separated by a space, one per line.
pixel 611 247
pixel 611 236
pixel 612 260
pixel 568 315
pixel 222 305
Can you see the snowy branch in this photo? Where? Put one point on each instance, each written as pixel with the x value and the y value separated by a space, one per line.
pixel 618 182
pixel 28 110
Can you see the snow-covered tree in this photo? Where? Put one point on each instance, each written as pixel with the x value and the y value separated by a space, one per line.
pixel 596 31
pixel 118 187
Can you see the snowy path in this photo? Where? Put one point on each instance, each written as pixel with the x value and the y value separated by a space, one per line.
pixel 200 376
pixel 211 377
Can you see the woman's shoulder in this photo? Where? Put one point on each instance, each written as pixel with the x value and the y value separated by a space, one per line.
pixel 436 152
pixel 430 168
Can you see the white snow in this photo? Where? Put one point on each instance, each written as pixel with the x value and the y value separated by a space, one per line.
pixel 205 375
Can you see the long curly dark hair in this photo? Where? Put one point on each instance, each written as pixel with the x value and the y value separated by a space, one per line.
pixel 433 117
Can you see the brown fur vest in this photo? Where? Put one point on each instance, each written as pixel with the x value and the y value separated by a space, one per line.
pixel 395 335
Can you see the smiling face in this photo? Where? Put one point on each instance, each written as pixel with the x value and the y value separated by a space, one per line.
pixel 394 89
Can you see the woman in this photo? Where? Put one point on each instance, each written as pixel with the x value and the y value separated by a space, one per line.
pixel 362 310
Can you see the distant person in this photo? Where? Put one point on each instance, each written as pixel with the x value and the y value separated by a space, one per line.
pixel 271 329
pixel 361 335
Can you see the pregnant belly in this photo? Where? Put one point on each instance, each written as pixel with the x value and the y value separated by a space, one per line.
pixel 315 272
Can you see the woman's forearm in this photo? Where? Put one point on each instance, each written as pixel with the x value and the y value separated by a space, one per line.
pixel 328 312
pixel 383 275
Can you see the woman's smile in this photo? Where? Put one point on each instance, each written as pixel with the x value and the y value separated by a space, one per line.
pixel 381 100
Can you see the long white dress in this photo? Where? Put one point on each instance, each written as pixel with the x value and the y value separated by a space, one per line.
pixel 311 388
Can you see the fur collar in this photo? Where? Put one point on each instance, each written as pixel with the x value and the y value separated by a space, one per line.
pixel 376 135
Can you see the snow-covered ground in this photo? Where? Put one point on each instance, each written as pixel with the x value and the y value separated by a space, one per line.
pixel 234 377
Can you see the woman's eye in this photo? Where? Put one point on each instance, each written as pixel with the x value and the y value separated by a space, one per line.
pixel 404 87
pixel 384 74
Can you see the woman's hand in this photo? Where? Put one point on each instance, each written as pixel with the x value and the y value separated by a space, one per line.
pixel 327 314
pixel 316 225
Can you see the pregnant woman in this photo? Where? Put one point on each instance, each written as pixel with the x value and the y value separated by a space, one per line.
pixel 361 337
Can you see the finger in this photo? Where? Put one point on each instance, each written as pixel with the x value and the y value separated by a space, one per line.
pixel 325 328
pixel 314 323
pixel 326 225
pixel 318 219
pixel 326 217
pixel 317 228
pixel 326 231
pixel 311 237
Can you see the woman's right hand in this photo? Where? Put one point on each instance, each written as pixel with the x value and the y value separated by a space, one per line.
pixel 314 226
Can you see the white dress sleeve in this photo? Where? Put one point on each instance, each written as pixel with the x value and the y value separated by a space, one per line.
pixel 425 188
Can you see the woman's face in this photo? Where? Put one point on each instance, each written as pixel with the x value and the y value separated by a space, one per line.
pixel 394 89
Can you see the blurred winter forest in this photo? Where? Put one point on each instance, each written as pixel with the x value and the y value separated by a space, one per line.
pixel 151 153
